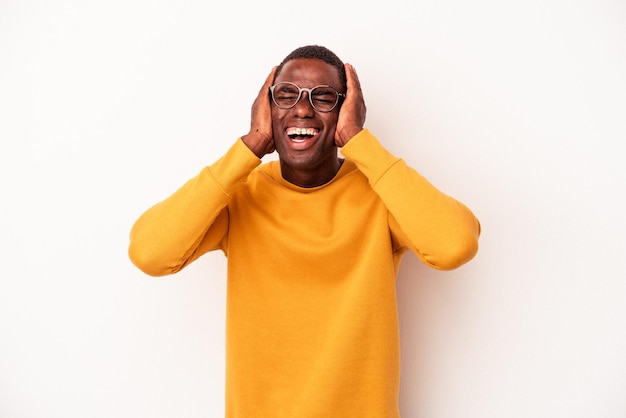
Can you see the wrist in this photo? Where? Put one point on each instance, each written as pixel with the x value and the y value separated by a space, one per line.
pixel 255 142
pixel 345 135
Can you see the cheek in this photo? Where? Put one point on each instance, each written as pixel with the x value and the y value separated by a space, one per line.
pixel 331 120
pixel 277 117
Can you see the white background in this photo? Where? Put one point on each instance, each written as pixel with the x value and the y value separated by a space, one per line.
pixel 516 108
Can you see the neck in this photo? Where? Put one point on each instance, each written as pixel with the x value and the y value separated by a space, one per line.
pixel 311 177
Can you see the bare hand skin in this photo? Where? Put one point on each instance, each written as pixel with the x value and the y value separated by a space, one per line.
pixel 353 110
pixel 260 139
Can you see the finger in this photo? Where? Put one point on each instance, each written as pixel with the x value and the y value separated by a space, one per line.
pixel 264 91
pixel 352 78
pixel 262 99
pixel 270 79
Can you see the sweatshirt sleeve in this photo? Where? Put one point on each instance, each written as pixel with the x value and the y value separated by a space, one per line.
pixel 440 230
pixel 194 219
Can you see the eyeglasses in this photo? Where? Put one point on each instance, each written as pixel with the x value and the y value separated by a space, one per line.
pixel 323 98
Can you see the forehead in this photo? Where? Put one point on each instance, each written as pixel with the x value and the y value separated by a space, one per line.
pixel 309 73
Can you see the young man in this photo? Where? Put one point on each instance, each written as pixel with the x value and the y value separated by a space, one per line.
pixel 313 244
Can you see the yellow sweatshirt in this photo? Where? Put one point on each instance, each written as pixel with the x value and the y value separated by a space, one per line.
pixel 312 327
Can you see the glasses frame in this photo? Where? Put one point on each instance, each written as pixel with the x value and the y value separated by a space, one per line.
pixel 300 90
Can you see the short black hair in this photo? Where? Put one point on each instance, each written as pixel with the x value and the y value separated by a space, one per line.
pixel 317 52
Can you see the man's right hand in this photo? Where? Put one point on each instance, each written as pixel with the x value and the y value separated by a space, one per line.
pixel 260 139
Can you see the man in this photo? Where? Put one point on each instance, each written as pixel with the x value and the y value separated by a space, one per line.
pixel 313 244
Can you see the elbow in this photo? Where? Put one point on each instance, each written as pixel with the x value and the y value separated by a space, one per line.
pixel 459 255
pixel 455 254
pixel 147 261
pixel 150 253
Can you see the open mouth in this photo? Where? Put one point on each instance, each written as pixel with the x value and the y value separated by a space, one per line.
pixel 301 134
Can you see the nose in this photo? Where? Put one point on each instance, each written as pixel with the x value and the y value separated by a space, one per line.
pixel 304 106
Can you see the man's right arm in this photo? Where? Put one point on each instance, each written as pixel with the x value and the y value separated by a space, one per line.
pixel 193 220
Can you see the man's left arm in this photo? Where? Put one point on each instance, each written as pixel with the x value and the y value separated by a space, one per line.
pixel 440 230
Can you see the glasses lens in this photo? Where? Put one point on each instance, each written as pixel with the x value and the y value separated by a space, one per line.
pixel 324 98
pixel 285 94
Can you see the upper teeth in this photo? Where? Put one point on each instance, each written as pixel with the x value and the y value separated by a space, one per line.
pixel 301 131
